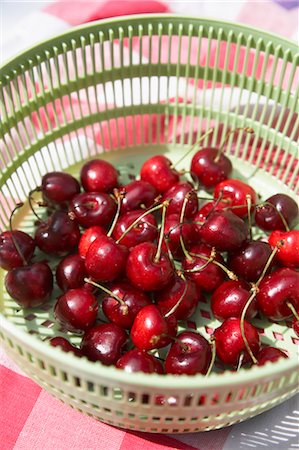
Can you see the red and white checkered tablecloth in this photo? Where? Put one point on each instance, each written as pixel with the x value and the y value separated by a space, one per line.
pixel 30 418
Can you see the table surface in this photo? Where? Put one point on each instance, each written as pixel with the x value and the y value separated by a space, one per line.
pixel 30 418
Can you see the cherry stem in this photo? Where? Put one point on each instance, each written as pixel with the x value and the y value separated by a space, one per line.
pixel 184 346
pixel 228 134
pixel 30 199
pixel 292 308
pixel 175 307
pixel 211 365
pixel 270 259
pixel 240 361
pixel 14 240
pixel 219 199
pixel 193 146
pixel 184 205
pixel 249 204
pixel 119 195
pixel 133 224
pixel 242 324
pixel 230 274
pixel 161 237
pixel 107 291
pixel 170 255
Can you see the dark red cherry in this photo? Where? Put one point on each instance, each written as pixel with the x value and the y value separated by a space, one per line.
pixel 224 230
pixel 139 361
pixel 268 217
pixel 105 259
pixel 159 172
pixel 190 354
pixel 172 232
pixel 98 175
pixel 235 192
pixel 176 194
pixel 89 235
pixel 123 313
pixel 151 329
pixel 93 208
pixel 9 255
pixel 180 291
pixel 211 167
pixel 145 271
pixel 30 286
pixel 70 272
pixel 138 193
pixel 249 260
pixel 230 344
pixel 144 230
pixel 104 343
pixel 65 345
pixel 205 210
pixel 76 310
pixel 288 247
pixel 209 277
pixel 267 354
pixel 59 188
pixel 230 298
pixel 59 235
pixel 276 290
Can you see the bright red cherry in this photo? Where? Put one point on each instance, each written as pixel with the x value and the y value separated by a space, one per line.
pixel 151 329
pixel 59 235
pixel 89 235
pixel 249 260
pixel 65 345
pixel 139 361
pixel 70 272
pixel 211 166
pixel 267 354
pixel 159 171
pixel 98 175
pixel 230 298
pixel 138 193
pixel 268 217
pixel 31 285
pixel 59 188
pixel 93 208
pixel 224 230
pixel 105 259
pixel 176 194
pixel 104 343
pixel 190 354
pixel 235 192
pixel 76 310
pixel 276 290
pixel 172 232
pixel 288 247
pixel 147 271
pixel 230 344
pixel 10 258
pixel 145 230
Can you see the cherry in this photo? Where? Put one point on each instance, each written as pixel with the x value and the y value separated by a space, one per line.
pixel 230 344
pixel 59 188
pixel 76 310
pixel 173 230
pixel 93 208
pixel 235 193
pixel 190 354
pixel 277 291
pixel 182 293
pixel 89 235
pixel 278 212
pixel 104 343
pixel 176 194
pixel 98 175
pixel 105 259
pixel 267 354
pixel 288 252
pixel 139 361
pixel 250 259
pixel 230 298
pixel 151 329
pixel 59 235
pixel 205 210
pixel 65 345
pixel 138 193
pixel 30 286
pixel 295 324
pixel 144 230
pixel 70 272
pixel 224 230
pixel 10 257
pixel 159 172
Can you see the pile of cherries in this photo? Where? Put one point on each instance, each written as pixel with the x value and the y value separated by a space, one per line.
pixel 134 261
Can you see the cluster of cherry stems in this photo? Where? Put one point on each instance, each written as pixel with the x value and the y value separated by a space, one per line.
pixel 147 251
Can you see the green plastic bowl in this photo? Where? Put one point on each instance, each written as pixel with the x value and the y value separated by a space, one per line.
pixel 136 106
